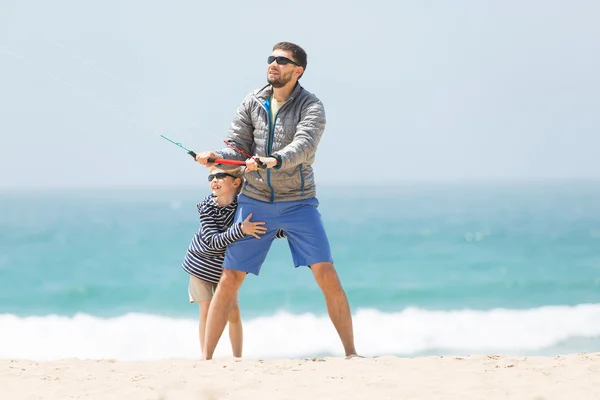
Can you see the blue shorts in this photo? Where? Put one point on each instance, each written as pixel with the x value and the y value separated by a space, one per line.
pixel 301 222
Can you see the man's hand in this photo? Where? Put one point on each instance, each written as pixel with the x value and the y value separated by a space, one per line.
pixel 203 157
pixel 253 228
pixel 252 165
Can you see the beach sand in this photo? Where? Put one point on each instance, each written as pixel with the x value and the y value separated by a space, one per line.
pixel 573 377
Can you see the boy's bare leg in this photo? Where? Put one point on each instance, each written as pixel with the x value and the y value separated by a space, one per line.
pixel 236 333
pixel 337 303
pixel 220 307
pixel 203 306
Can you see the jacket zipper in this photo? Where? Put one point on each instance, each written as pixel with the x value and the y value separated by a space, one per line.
pixel 271 127
pixel 301 179
pixel 269 143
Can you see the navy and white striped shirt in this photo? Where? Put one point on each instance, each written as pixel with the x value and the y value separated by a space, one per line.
pixel 206 253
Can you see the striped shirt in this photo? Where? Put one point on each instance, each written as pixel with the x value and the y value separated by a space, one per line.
pixel 206 253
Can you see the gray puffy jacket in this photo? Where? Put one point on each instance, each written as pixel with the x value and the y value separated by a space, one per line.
pixel 292 137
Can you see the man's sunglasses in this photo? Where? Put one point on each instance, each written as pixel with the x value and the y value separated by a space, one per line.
pixel 281 60
pixel 219 175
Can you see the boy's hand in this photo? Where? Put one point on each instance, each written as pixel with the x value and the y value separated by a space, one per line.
pixel 203 157
pixel 253 228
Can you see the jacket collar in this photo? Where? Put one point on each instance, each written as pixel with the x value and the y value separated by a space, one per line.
pixel 264 93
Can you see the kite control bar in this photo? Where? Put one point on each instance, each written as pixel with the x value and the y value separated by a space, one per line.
pixel 220 160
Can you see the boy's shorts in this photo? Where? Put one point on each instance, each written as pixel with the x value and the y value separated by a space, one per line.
pixel 201 290
pixel 301 222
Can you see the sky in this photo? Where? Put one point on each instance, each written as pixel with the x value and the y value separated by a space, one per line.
pixel 413 90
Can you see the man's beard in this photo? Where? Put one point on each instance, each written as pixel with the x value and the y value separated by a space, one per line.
pixel 280 81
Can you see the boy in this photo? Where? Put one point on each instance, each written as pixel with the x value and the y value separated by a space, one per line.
pixel 204 258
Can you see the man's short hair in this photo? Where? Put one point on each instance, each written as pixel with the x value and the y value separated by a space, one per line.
pixel 296 51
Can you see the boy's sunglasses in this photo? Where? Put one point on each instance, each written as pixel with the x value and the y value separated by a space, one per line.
pixel 219 175
pixel 281 60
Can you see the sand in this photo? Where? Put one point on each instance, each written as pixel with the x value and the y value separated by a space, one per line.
pixel 573 377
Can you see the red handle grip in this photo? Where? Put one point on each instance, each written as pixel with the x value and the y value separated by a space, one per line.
pixel 261 165
pixel 223 161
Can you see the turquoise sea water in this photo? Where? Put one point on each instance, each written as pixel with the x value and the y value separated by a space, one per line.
pixel 429 269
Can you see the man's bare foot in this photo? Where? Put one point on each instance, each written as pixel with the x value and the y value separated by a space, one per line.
pixel 351 356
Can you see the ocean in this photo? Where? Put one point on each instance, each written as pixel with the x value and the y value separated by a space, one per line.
pixel 429 269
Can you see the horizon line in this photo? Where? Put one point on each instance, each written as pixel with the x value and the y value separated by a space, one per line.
pixel 332 184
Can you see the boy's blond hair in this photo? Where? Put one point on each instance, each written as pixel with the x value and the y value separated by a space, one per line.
pixel 237 172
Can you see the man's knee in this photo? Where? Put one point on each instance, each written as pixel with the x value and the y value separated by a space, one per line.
pixel 325 275
pixel 231 280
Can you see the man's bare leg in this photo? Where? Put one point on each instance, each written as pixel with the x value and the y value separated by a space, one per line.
pixel 236 332
pixel 220 307
pixel 337 303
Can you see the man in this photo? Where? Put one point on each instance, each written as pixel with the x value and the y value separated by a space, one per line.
pixel 282 124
